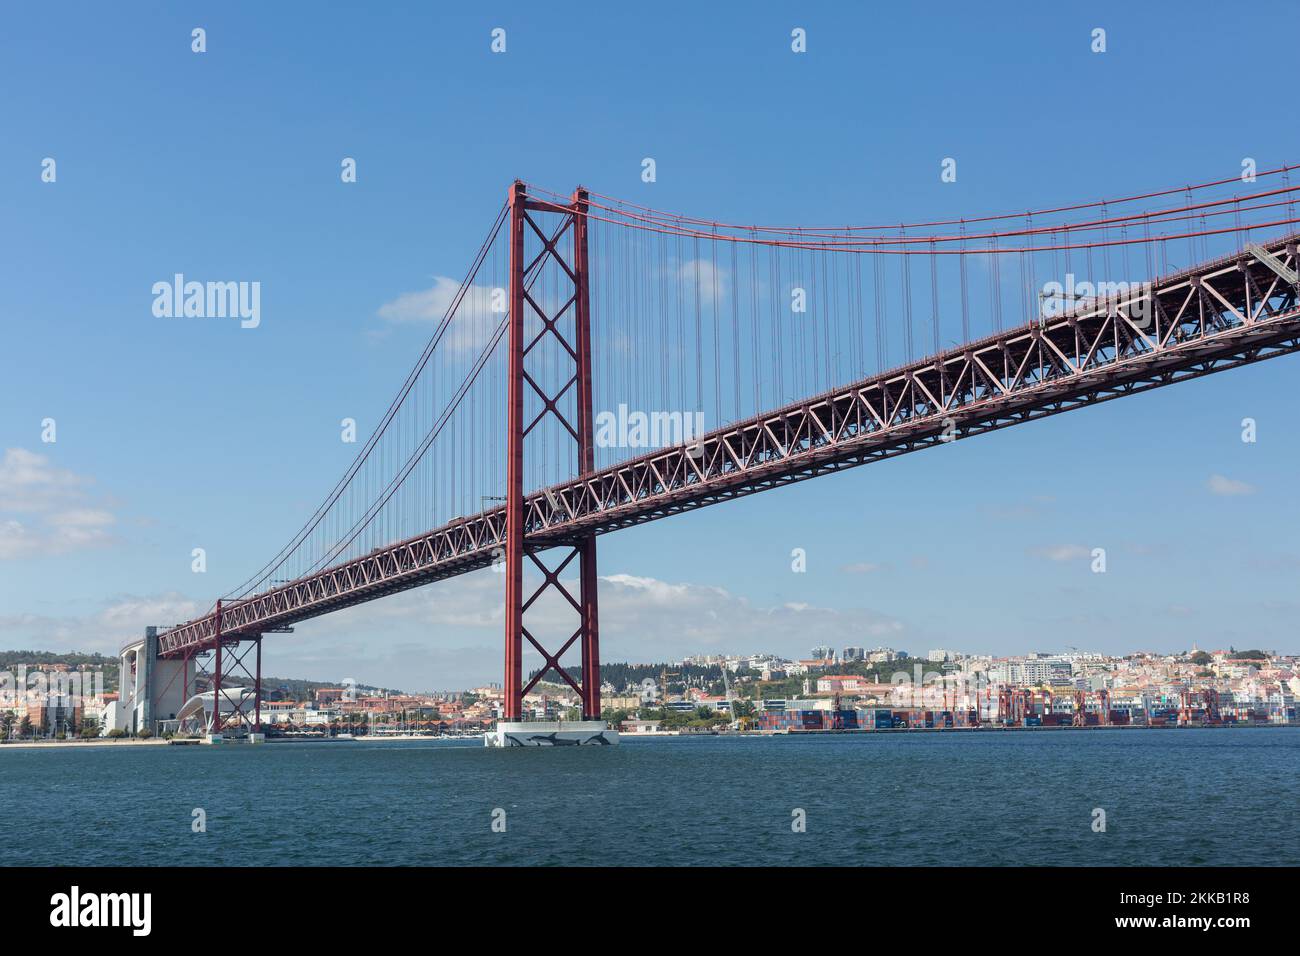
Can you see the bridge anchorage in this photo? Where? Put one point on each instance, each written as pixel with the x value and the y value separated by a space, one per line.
pixel 213 694
pixel 796 394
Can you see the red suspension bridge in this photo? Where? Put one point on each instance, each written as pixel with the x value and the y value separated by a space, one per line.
pixel 556 399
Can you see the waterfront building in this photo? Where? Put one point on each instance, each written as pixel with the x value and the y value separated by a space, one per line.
pixel 620 702
pixel 849 684
pixel 640 725
pixel 53 713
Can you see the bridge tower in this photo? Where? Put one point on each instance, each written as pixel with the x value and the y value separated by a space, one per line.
pixel 559 233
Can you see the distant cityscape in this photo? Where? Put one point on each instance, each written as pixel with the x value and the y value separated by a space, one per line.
pixel 854 688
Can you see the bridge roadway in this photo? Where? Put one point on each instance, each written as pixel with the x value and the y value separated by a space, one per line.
pixel 1218 315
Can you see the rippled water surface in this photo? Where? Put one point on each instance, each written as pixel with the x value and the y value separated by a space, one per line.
pixel 1170 797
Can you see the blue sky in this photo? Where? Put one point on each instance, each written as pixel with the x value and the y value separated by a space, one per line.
pixel 172 435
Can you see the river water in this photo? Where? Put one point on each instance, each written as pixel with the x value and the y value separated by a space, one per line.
pixel 1169 797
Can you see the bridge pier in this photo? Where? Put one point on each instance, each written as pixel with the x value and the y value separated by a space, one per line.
pixel 531 322
pixel 234 705
pixel 550 733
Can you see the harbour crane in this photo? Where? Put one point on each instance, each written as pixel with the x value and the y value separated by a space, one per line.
pixel 731 699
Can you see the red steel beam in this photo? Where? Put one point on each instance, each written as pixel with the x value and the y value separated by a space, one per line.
pixel 257 690
pixel 588 580
pixel 216 680
pixel 514 508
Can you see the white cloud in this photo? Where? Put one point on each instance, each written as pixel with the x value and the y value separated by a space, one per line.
pixel 16 540
pixel 864 567
pixel 1228 487
pixel 104 630
pixel 711 279
pixel 1031 508
pixel 430 305
pixel 1063 552
pixel 28 482
pixel 476 318
pixel 449 635
pixel 45 510
pixel 647 619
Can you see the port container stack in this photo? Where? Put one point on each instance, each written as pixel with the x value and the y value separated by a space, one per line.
pixel 796 721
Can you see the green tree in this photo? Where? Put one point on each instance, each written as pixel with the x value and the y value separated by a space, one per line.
pixel 25 727
pixel 1202 659
pixel 615 717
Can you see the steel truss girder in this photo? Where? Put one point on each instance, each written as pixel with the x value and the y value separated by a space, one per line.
pixel 1221 314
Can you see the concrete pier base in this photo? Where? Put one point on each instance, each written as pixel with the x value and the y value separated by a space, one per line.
pixel 550 733
pixel 213 739
pixel 257 738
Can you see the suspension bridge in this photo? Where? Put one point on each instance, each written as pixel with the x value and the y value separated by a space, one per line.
pixel 558 397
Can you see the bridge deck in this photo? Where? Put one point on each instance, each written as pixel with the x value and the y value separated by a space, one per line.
pixel 1218 315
